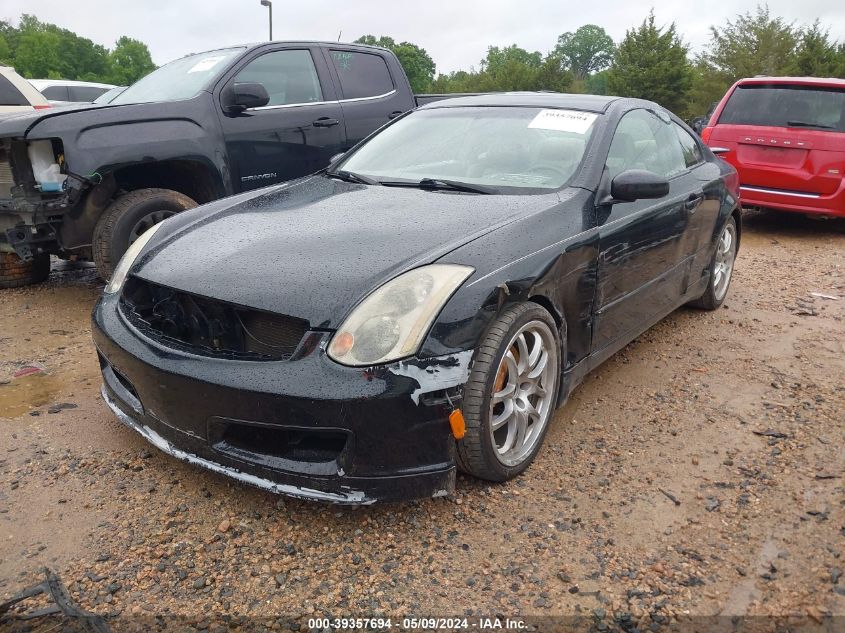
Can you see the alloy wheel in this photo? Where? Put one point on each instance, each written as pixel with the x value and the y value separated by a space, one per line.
pixel 523 393
pixel 725 255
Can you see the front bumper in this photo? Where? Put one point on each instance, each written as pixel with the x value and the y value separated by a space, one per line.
pixel 307 428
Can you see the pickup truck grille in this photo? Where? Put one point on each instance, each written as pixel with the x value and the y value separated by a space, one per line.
pixel 207 327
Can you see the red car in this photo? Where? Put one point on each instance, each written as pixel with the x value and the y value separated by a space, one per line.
pixel 786 138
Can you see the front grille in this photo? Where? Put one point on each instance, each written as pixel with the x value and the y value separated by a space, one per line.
pixel 209 327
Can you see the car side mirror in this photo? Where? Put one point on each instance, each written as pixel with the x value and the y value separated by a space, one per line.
pixel 243 95
pixel 638 184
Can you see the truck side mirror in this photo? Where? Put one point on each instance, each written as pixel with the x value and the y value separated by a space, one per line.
pixel 243 95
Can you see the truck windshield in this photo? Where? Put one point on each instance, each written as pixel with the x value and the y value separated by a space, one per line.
pixel 504 149
pixel 180 79
pixel 786 106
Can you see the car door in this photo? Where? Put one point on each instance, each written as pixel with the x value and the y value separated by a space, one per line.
pixel 641 267
pixel 704 180
pixel 368 91
pixel 297 132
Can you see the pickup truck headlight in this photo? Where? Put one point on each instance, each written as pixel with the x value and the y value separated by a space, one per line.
pixel 393 320
pixel 129 257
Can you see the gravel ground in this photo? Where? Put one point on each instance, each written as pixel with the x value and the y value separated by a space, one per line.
pixel 697 473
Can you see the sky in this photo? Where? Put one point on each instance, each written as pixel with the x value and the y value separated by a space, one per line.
pixel 455 33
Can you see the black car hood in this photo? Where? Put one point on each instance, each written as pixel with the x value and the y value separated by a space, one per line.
pixel 315 248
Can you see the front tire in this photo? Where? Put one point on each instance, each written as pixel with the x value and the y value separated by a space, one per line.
pixel 511 394
pixel 125 219
pixel 721 269
pixel 16 272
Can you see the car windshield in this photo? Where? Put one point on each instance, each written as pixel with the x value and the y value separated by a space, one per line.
pixel 501 148
pixel 109 96
pixel 786 106
pixel 180 79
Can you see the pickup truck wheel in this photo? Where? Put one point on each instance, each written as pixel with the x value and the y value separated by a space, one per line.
pixel 16 272
pixel 125 219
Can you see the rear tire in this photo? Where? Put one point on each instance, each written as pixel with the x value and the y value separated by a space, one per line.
pixel 16 272
pixel 127 217
pixel 721 269
pixel 491 448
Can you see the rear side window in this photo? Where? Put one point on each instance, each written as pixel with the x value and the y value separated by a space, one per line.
pixel 692 152
pixel 56 93
pixel 85 94
pixel 786 106
pixel 9 95
pixel 361 74
pixel 289 77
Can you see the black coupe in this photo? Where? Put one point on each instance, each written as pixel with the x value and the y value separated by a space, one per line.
pixel 424 304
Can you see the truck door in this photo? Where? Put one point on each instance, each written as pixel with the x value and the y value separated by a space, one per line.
pixel 297 132
pixel 370 93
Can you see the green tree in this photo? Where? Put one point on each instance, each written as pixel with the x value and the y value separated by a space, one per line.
pixel 509 68
pixel 816 55
pixel 588 50
pixel 417 63
pixel 37 54
pixel 753 44
pixel 129 60
pixel 552 76
pixel 708 87
pixel 651 63
pixel 596 84
pixel 5 51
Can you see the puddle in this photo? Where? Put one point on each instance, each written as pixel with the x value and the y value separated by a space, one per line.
pixel 23 394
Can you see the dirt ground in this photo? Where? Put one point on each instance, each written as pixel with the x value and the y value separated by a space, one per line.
pixel 699 472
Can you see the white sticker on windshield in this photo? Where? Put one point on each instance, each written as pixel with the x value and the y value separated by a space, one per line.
pixel 205 64
pixel 563 121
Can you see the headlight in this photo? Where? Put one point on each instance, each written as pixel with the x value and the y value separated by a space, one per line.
pixel 392 322
pixel 125 263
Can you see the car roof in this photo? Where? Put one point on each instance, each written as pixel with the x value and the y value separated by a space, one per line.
pixel 588 103
pixel 794 81
pixel 46 83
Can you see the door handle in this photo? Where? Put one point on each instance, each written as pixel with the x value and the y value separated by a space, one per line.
pixel 395 114
pixel 693 201
pixel 325 121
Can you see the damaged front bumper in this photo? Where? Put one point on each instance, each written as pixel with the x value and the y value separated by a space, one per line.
pixel 307 428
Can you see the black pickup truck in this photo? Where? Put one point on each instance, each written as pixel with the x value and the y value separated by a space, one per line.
pixel 85 182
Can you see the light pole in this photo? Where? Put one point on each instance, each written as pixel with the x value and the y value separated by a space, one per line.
pixel 269 5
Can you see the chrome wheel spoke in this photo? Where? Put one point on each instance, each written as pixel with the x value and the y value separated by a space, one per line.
pixel 504 417
pixel 522 346
pixel 505 394
pixel 521 429
pixel 539 366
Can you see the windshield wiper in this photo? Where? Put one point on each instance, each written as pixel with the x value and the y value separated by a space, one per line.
pixel 351 176
pixel 439 183
pixel 808 124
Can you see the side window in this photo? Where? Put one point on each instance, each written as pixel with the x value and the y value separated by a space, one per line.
pixel 85 93
pixel 289 77
pixel 689 146
pixel 9 95
pixel 361 74
pixel 56 93
pixel 643 141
